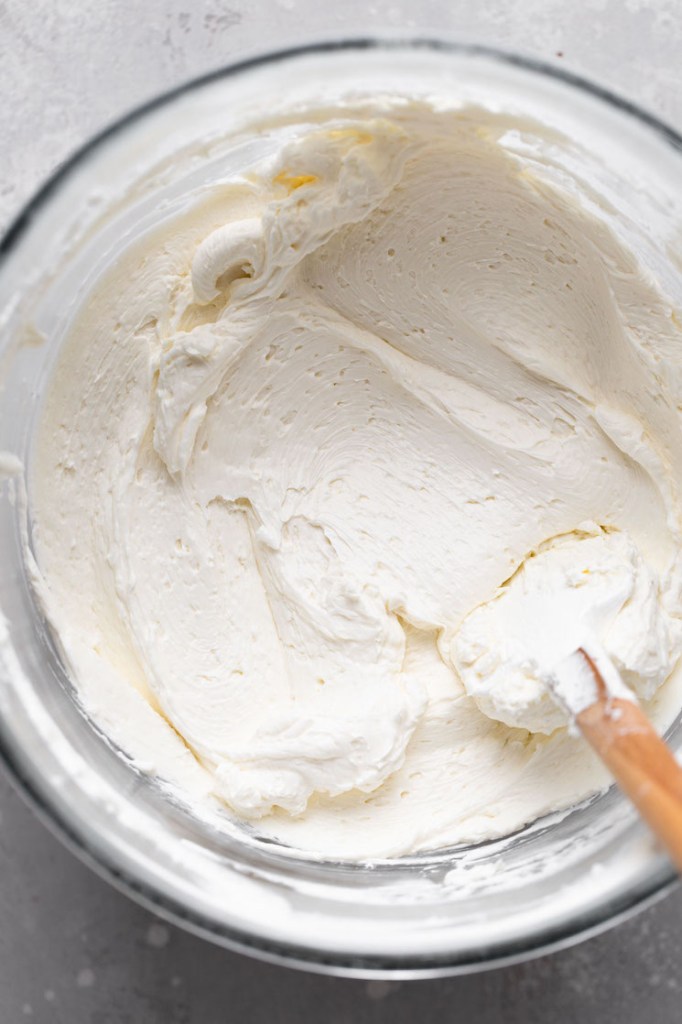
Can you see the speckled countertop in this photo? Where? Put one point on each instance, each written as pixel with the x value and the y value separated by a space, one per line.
pixel 72 949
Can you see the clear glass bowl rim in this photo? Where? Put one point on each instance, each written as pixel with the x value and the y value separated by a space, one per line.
pixel 37 794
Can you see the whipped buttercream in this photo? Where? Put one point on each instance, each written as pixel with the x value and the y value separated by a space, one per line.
pixel 312 419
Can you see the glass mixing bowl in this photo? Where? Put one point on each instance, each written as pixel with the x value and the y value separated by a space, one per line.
pixel 451 911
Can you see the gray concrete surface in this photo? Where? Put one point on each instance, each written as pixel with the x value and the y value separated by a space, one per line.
pixel 71 948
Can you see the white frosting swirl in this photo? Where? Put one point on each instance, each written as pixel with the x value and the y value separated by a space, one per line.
pixel 303 427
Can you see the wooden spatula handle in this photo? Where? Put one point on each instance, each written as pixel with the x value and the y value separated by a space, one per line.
pixel 642 765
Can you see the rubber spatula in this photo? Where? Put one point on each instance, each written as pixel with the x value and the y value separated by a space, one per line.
pixel 619 732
